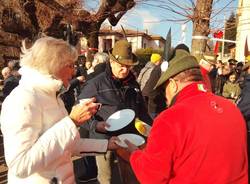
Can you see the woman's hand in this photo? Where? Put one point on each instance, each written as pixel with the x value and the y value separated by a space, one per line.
pixel 80 113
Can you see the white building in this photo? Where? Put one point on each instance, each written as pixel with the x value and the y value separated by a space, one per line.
pixel 138 40
pixel 243 29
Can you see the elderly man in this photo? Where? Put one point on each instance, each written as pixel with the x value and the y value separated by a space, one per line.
pixel 200 138
pixel 115 89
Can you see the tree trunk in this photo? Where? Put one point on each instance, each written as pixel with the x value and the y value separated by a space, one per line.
pixel 201 22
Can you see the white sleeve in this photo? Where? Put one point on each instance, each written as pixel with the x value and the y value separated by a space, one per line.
pixel 90 146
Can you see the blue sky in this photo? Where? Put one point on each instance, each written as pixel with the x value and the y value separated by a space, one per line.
pixel 145 15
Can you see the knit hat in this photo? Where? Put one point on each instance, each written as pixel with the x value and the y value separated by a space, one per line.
pixel 155 58
pixel 248 58
pixel 246 66
pixel 122 53
pixel 181 61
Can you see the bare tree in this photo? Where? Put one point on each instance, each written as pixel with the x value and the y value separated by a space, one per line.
pixel 28 18
pixel 202 13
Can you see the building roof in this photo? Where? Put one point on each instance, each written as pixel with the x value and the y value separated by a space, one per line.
pixel 130 33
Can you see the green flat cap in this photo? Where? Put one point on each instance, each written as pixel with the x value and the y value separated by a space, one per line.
pixel 122 53
pixel 181 61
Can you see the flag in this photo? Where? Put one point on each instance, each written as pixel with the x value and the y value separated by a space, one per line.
pixel 218 34
pixel 246 51
pixel 167 47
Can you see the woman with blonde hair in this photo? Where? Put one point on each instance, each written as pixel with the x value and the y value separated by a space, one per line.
pixel 39 135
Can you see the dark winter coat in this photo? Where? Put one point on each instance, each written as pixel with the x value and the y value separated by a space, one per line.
pixel 244 101
pixel 114 95
pixel 69 96
pixel 9 84
pixel 155 97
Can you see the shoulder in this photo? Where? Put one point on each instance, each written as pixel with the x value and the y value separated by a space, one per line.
pixel 22 95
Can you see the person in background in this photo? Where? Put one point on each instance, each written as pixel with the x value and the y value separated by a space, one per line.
pixel 6 72
pixel 98 65
pixel 207 63
pixel 231 89
pixel 80 66
pixel 115 89
pixel 221 78
pixel 12 79
pixel 244 101
pixel 88 65
pixel 145 72
pixel 69 96
pixel 232 64
pixel 39 135
pixel 147 80
pixel 188 141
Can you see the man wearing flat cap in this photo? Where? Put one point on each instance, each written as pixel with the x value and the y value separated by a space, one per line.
pixel 200 138
pixel 115 89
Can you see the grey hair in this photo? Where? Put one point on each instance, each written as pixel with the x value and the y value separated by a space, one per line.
pixel 100 57
pixel 48 55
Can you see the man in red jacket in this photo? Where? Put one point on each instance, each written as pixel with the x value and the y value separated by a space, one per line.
pixel 200 138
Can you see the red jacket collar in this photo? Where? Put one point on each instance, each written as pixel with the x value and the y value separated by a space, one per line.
pixel 189 91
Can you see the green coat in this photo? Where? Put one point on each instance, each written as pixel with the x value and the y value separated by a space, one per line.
pixel 231 90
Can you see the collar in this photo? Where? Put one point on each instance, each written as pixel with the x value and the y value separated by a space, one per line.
pixel 43 82
pixel 190 90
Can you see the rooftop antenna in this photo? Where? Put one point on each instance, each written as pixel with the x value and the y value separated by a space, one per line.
pixel 124 33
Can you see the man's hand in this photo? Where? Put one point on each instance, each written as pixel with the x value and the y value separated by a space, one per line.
pixel 112 143
pixel 131 147
pixel 100 126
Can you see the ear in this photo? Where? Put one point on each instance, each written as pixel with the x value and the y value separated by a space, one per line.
pixel 174 85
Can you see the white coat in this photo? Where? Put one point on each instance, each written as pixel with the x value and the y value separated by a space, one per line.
pixel 39 137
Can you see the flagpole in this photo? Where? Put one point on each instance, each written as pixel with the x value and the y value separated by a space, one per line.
pixel 223 43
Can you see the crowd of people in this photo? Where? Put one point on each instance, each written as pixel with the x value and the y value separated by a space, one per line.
pixel 198 108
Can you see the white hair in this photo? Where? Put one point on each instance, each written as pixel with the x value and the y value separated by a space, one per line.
pixel 48 55
pixel 100 57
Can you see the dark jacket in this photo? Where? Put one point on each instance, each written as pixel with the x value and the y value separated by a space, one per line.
pixel 155 97
pixel 244 101
pixel 68 96
pixel 9 84
pixel 99 68
pixel 114 95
